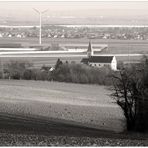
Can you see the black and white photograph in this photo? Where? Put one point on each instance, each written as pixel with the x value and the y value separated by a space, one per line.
pixel 74 73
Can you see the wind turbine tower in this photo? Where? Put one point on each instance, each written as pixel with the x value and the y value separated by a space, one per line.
pixel 40 23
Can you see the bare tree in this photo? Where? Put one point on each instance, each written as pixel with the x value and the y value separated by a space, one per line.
pixel 130 92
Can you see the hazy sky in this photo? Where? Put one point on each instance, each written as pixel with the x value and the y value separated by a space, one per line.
pixel 23 10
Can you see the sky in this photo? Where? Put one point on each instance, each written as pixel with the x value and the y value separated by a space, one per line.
pixel 24 10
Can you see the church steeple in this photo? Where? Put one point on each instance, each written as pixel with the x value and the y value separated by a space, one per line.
pixel 89 51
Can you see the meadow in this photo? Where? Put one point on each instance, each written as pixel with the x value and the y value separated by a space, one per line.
pixel 88 105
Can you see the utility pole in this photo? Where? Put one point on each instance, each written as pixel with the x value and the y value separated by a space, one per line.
pixel 40 23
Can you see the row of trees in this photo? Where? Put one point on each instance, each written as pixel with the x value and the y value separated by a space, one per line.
pixel 62 72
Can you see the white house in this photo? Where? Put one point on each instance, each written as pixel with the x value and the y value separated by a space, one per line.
pixel 9 35
pixel 99 61
pixel 18 36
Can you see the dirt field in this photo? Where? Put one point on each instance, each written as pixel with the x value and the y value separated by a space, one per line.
pixel 11 139
pixel 89 105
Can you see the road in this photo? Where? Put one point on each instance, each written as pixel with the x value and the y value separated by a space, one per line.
pixel 58 54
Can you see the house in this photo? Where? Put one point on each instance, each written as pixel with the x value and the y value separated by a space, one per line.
pixel 18 36
pixel 99 61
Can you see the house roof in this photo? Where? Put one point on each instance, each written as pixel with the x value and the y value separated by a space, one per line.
pixel 101 59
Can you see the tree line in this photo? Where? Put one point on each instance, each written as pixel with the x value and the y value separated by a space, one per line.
pixel 62 72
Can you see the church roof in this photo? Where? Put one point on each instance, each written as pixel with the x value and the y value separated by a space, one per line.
pixel 101 59
pixel 98 59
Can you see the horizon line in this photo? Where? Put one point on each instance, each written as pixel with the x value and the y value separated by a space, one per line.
pixel 70 25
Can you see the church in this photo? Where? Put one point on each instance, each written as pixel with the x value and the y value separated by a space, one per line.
pixel 99 61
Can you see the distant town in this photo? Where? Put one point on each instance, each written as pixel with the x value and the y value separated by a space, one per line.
pixel 70 32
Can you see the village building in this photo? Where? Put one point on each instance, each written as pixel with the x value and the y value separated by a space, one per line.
pixel 98 60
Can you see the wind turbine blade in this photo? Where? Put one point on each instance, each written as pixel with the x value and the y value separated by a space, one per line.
pixel 45 11
pixel 36 10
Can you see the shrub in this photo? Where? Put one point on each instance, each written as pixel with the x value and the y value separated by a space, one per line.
pixel 29 74
pixel 16 69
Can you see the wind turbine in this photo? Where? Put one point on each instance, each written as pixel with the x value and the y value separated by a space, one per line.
pixel 40 24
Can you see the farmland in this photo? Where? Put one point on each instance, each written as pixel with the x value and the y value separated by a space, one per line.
pixel 89 105
pixel 40 61
pixel 114 47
